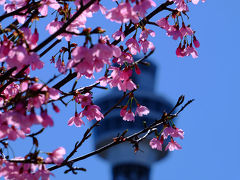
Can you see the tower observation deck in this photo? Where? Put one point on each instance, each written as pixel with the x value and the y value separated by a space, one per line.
pixel 127 165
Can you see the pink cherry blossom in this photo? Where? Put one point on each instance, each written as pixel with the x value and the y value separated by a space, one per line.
pixel 181 51
pixel 42 173
pixel 156 144
pixel 125 57
pixel 163 23
pixel 121 79
pixel 129 116
pixel 145 45
pixel 19 57
pixel 173 145
pixel 119 35
pixel 56 156
pixel 196 1
pixel 173 132
pixel 185 30
pixel 93 112
pixel 181 5
pixel 142 6
pixel 122 13
pixel 55 25
pixel 123 111
pixel 2 2
pixel 137 69
pixel 10 170
pixel 77 120
pixel 43 9
pixel 14 5
pixel 191 50
pixel 30 38
pixel 84 100
pixel 144 34
pixel 133 46
pixel 174 32
pixel 47 120
pixel 196 42
pixel 141 110
pixel 5 47
pixel 103 81
pixel 61 66
pixel 43 97
pixel 55 108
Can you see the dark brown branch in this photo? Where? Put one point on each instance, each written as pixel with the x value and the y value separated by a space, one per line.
pixel 50 47
pixel 87 133
pixel 164 119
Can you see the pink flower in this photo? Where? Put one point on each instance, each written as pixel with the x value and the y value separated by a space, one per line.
pixel 144 34
pixel 191 50
pixel 185 30
pixel 103 81
pixel 129 116
pixel 2 2
pixel 173 132
pixel 145 45
pixel 47 120
pixel 42 173
pixel 181 51
pixel 61 66
pixel 122 13
pixel 127 85
pixel 30 38
pixel 142 6
pixel 196 1
pixel 123 111
pixel 19 57
pixel 181 5
pixel 77 120
pixel 174 32
pixel 121 79
pixel 53 93
pixel 172 145
pixel 84 100
pixel 125 57
pixel 141 110
pixel 133 46
pixel 137 69
pixel 43 9
pixel 156 143
pixel 118 35
pixel 5 47
pixel 55 108
pixel 163 23
pixel 93 112
pixel 196 42
pixel 56 156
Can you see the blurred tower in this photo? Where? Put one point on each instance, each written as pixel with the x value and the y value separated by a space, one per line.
pixel 127 165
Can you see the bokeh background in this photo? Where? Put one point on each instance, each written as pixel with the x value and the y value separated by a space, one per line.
pixel 211 124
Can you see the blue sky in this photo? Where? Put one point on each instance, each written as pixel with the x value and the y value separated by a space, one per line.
pixel 211 123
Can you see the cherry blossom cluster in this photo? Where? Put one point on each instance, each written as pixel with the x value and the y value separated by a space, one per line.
pixel 184 49
pixel 182 5
pixel 17 121
pixel 126 112
pixel 19 55
pixel 90 111
pixel 168 132
pixel 26 170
